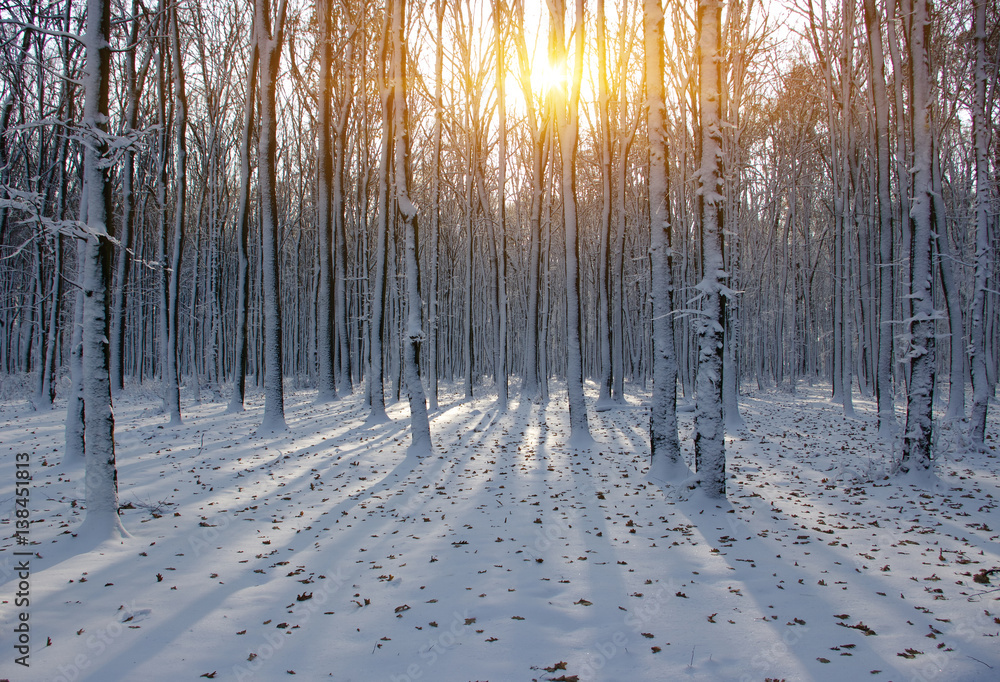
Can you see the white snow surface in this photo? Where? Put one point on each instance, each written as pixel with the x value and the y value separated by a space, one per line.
pixel 329 553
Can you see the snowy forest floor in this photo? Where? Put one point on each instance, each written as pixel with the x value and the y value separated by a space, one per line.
pixel 329 553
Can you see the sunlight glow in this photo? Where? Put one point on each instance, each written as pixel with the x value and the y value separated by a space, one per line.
pixel 547 76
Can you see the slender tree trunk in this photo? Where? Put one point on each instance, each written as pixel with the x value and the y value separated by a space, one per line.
pixel 171 372
pixel 499 16
pixel 326 382
pixel 665 452
pixel 982 390
pixel 419 425
pixel 75 405
pixel 376 390
pixel 538 125
pixel 880 103
pixel 604 325
pixel 133 87
pixel 432 295
pixel 567 114
pixel 341 152
pixel 242 349
pixel 952 298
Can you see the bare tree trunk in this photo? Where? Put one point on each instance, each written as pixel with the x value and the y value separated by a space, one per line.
pixel 269 49
pixel 341 152
pixel 952 298
pixel 326 382
pixel 171 372
pixel 917 437
pixel 604 258
pixel 709 439
pixel 537 125
pixel 419 426
pixel 981 131
pixel 75 405
pixel 101 473
pixel 133 87
pixel 567 115
pixel 665 451
pixel 243 237
pixel 500 373
pixel 432 296
pixel 880 103
pixel 376 390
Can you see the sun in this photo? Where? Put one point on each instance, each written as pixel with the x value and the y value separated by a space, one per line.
pixel 547 76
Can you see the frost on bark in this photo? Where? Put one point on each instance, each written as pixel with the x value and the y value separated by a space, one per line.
pixel 567 119
pixel 982 390
pixel 269 49
pixel 101 477
pixel 419 426
pixel 666 459
pixel 709 438
pixel 917 436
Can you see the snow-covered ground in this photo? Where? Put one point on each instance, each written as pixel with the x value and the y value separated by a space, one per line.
pixel 329 553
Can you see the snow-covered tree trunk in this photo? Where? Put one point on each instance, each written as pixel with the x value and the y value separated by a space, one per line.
pixel 666 459
pixel 567 117
pixel 982 390
pixel 419 426
pixel 326 384
pixel 101 476
pixel 709 438
pixel 917 436
pixel 269 49
pixel 904 180
pixel 880 104
pixel 75 407
pixel 242 349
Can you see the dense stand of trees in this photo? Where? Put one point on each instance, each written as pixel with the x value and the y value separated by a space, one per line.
pixel 380 197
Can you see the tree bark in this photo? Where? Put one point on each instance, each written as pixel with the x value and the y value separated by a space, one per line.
pixel 709 439
pixel 666 460
pixel 269 49
pixel 101 472
pixel 917 436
